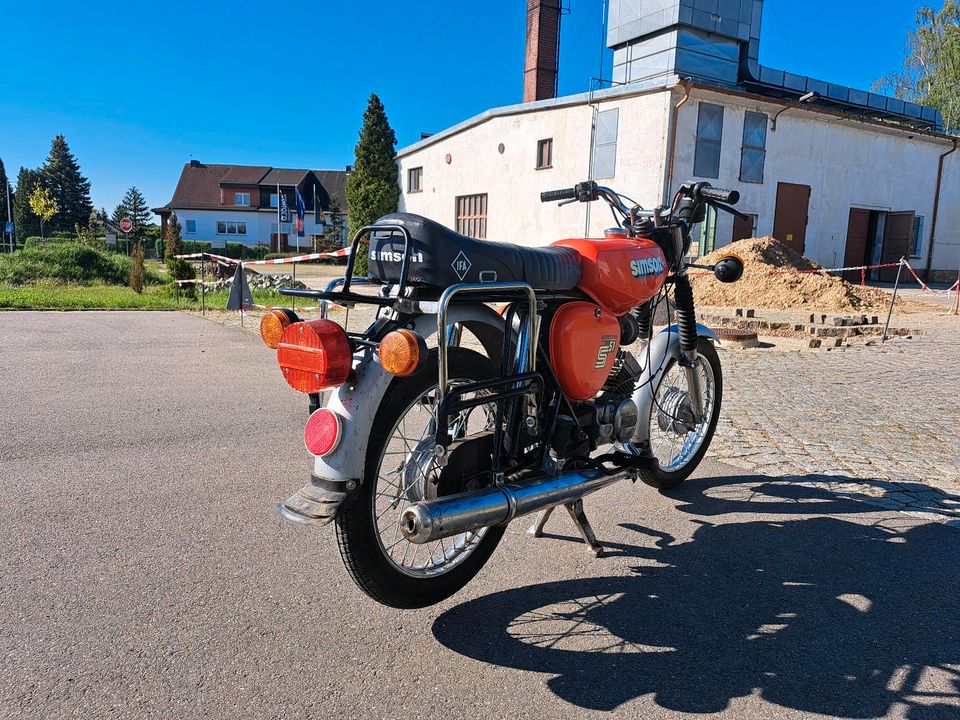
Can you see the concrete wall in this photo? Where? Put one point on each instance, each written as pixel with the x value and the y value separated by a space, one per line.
pixel 846 164
pixel 512 182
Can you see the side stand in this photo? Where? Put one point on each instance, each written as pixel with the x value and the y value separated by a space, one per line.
pixel 579 518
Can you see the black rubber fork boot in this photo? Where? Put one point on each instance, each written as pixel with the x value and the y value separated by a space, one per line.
pixel 686 317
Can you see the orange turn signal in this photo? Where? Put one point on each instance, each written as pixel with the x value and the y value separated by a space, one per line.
pixel 273 324
pixel 401 352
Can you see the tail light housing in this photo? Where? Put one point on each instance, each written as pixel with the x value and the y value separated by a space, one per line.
pixel 322 432
pixel 314 355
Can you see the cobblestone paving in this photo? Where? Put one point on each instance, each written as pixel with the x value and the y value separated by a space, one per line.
pixel 886 415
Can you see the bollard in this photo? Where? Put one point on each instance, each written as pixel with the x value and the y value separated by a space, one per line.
pixel 896 285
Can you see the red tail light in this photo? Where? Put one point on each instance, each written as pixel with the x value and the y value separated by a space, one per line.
pixel 322 433
pixel 314 355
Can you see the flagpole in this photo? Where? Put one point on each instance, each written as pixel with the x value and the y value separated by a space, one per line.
pixel 278 218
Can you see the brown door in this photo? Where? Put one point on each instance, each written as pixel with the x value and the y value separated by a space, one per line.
pixel 790 220
pixel 896 242
pixel 742 229
pixel 858 229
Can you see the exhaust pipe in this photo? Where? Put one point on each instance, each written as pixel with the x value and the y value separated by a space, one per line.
pixel 431 520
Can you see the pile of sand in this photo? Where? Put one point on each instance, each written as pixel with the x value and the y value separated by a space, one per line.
pixel 786 290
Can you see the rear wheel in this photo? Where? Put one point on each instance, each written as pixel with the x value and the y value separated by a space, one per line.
pixel 677 439
pixel 401 470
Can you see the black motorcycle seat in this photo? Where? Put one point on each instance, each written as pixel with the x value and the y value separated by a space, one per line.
pixel 441 257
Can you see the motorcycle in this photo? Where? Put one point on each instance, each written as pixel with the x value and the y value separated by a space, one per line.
pixel 446 419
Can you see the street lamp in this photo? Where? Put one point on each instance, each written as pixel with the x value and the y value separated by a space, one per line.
pixel 810 97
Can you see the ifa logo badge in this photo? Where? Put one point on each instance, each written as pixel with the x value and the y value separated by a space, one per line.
pixel 461 264
pixel 608 343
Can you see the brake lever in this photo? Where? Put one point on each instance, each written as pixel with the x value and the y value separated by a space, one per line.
pixel 567 202
pixel 729 209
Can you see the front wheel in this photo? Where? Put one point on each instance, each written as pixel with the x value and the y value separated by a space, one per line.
pixel 677 439
pixel 400 470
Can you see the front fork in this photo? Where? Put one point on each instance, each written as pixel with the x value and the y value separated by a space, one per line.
pixel 687 327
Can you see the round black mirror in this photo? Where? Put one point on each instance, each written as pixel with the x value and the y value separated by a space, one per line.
pixel 728 269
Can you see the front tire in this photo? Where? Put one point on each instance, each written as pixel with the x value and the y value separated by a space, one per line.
pixel 680 453
pixel 374 562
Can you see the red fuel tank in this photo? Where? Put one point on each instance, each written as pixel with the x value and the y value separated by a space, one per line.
pixel 584 340
pixel 619 272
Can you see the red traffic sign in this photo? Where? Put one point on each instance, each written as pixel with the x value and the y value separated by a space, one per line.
pixel 126 225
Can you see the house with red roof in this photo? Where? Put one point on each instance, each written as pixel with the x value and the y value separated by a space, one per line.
pixel 239 203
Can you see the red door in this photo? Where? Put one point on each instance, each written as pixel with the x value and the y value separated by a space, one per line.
pixel 858 229
pixel 897 237
pixel 790 220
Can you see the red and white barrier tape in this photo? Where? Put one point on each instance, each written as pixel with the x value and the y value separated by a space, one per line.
pixel 342 252
pixel 926 288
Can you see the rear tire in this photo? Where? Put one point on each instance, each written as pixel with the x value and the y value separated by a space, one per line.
pixel 665 478
pixel 358 535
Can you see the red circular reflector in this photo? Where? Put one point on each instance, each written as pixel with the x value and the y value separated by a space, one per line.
pixel 322 432
pixel 314 355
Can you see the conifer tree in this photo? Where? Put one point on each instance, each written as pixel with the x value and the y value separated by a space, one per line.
pixel 4 184
pixel 27 224
pixel 134 206
pixel 372 188
pixel 70 189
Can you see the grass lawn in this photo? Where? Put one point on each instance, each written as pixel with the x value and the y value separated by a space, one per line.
pixel 52 296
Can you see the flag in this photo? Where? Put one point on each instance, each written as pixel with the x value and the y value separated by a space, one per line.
pixel 240 297
pixel 301 211
pixel 284 210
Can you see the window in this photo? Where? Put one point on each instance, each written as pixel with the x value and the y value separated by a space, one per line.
pixel 545 154
pixel 605 144
pixel 414 179
pixel 273 200
pixel 228 227
pixel 472 216
pixel 191 226
pixel 241 198
pixel 706 163
pixel 916 247
pixel 754 152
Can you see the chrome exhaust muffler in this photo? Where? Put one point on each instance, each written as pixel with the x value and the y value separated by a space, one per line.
pixel 431 520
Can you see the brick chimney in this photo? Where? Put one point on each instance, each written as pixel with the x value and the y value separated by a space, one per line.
pixel 543 50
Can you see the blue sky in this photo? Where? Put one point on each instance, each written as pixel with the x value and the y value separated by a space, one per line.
pixel 139 88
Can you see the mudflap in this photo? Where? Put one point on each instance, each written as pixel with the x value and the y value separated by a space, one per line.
pixel 337 478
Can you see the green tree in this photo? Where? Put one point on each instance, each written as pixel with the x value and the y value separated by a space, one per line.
pixel 43 205
pixel 70 189
pixel 93 234
pixel 4 185
pixel 372 188
pixel 134 206
pixel 27 224
pixel 171 238
pixel 931 69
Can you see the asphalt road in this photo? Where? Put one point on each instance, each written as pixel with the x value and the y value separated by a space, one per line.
pixel 145 573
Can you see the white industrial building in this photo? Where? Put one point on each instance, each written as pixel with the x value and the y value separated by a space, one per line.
pixel 843 176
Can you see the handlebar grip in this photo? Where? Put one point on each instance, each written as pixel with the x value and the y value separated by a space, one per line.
pixel 730 197
pixel 554 195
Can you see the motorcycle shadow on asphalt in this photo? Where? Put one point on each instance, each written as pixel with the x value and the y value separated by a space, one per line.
pixel 833 614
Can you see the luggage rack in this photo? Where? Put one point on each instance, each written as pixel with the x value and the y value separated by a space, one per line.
pixel 345 296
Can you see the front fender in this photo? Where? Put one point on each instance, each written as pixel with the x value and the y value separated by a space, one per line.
pixel 338 476
pixel 663 346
